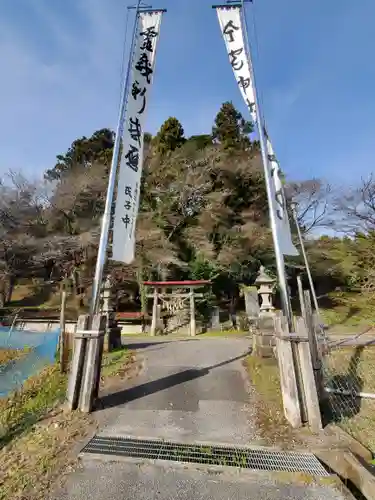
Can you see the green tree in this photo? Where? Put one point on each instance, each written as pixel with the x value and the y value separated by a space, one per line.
pixel 200 141
pixel 147 138
pixel 210 204
pixel 170 136
pixel 231 129
pixel 83 152
pixel 203 214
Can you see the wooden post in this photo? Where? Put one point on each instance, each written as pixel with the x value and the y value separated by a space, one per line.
pixel 75 376
pixel 63 344
pixel 311 331
pixel 93 361
pixel 288 379
pixel 299 377
pixel 301 296
pixel 308 379
pixel 159 319
pixel 193 326
pixel 314 347
pixel 99 364
pixel 154 313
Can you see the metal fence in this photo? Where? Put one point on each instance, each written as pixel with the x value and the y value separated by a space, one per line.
pixel 345 372
pixel 348 369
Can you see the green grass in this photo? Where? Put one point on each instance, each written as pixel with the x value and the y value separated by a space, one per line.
pixel 224 333
pixel 43 392
pixel 356 367
pixel 349 310
pixel 273 427
pixel 114 362
pixel 25 407
pixel 37 444
pixel 264 376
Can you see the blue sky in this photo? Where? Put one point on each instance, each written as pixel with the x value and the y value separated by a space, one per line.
pixel 61 67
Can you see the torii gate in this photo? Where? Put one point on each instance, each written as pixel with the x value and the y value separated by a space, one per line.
pixel 174 300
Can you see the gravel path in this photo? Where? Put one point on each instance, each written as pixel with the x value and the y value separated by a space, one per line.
pixel 188 391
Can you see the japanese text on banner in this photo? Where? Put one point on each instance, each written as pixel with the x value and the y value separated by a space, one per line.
pixel 130 173
pixel 231 27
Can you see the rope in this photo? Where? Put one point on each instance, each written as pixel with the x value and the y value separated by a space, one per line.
pixel 257 55
pixel 337 343
pixel 122 72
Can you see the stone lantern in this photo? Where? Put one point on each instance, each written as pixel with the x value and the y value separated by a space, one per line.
pixel 106 297
pixel 266 286
pixel 264 338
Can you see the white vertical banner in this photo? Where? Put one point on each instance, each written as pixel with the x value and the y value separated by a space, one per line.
pixel 232 30
pixel 130 171
pixel 284 234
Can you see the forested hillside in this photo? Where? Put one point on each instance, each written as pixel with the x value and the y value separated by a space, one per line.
pixel 203 215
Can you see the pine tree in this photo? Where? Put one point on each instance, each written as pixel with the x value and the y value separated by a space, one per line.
pixel 170 136
pixel 82 152
pixel 231 129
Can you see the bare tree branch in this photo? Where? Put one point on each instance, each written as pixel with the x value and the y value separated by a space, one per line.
pixel 314 203
pixel 355 209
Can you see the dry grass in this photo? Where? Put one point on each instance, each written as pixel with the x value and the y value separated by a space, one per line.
pixel 31 463
pixel 7 355
pixel 42 300
pixel 21 292
pixel 38 436
pixel 362 425
pixel 359 420
pixel 26 291
pixel 358 363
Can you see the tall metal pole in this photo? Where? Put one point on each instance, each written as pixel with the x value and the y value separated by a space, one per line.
pixel 106 220
pixel 307 266
pixel 271 202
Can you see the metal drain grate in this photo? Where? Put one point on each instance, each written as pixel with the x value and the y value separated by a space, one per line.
pixel 245 458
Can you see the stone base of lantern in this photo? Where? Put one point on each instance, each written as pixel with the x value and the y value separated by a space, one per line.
pixel 112 339
pixel 264 337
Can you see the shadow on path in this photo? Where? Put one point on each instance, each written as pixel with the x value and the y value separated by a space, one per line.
pixel 140 391
pixel 136 346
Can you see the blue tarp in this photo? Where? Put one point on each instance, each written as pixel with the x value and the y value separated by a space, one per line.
pixel 44 347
